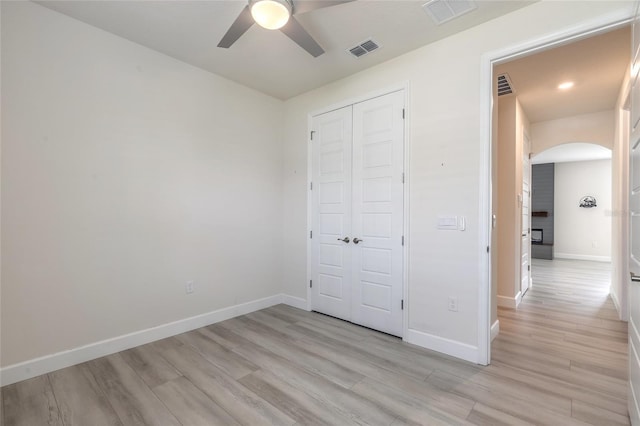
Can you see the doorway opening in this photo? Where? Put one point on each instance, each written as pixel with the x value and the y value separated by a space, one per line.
pixel 568 97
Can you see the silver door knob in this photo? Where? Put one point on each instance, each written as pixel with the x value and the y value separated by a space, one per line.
pixel 345 239
pixel 356 240
pixel 634 277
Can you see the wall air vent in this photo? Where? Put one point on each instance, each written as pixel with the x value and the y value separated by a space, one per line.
pixel 442 11
pixel 363 48
pixel 505 87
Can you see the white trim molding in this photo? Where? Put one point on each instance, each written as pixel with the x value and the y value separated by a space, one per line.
pixel 48 363
pixel 443 345
pixel 571 256
pixel 510 302
pixel 495 329
pixel 296 302
pixel 634 410
pixel 616 302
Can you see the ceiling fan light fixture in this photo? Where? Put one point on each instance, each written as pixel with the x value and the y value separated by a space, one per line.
pixel 271 14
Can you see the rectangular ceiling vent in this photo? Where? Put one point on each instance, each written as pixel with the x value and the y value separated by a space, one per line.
pixel 505 87
pixel 363 48
pixel 442 11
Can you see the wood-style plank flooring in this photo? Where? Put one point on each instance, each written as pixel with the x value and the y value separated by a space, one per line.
pixel 560 359
pixel 565 343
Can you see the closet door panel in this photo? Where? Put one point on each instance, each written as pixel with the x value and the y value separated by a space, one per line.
pixel 378 157
pixel 331 260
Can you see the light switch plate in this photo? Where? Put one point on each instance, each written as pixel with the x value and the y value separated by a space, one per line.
pixel 448 222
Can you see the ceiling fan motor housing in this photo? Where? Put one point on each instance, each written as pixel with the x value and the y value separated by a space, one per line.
pixel 278 14
pixel 271 14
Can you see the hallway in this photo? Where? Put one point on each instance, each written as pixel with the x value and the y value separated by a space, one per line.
pixel 564 345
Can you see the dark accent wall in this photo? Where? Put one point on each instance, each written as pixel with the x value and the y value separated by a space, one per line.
pixel 542 181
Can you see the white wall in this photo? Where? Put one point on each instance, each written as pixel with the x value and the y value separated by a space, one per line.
pixel 582 233
pixel 126 173
pixel 507 189
pixel 494 209
pixel 620 201
pixel 445 150
pixel 513 124
pixel 597 128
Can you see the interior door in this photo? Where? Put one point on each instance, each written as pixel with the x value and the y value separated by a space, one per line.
pixel 378 157
pixel 331 262
pixel 357 213
pixel 525 268
pixel 634 207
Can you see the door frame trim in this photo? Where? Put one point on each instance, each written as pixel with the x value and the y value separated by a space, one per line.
pixel 525 135
pixel 544 42
pixel 403 86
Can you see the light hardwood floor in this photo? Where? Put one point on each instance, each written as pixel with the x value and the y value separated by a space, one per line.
pixel 559 360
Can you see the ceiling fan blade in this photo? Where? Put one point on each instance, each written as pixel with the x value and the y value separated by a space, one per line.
pixel 243 22
pixel 303 6
pixel 297 33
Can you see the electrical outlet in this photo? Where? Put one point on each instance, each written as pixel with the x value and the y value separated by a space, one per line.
pixel 594 244
pixel 453 304
pixel 188 287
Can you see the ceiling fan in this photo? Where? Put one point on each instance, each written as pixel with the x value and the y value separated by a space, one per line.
pixel 278 14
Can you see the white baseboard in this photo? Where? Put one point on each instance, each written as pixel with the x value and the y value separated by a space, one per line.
pixel 46 364
pixel 495 329
pixel 634 410
pixel 440 344
pixel 571 256
pixel 616 303
pixel 509 302
pixel 296 302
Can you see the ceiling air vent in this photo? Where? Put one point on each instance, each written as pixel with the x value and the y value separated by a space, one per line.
pixel 505 86
pixel 364 48
pixel 442 11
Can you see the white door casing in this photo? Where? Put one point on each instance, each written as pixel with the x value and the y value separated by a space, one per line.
pixel 378 159
pixel 634 208
pixel 357 178
pixel 331 216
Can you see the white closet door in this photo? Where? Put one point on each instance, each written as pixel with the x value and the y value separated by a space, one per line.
pixel 378 153
pixel 331 261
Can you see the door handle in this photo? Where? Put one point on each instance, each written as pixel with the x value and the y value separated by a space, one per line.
pixel 635 278
pixel 356 240
pixel 344 240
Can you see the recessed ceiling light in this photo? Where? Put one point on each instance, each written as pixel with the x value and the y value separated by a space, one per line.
pixel 566 85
